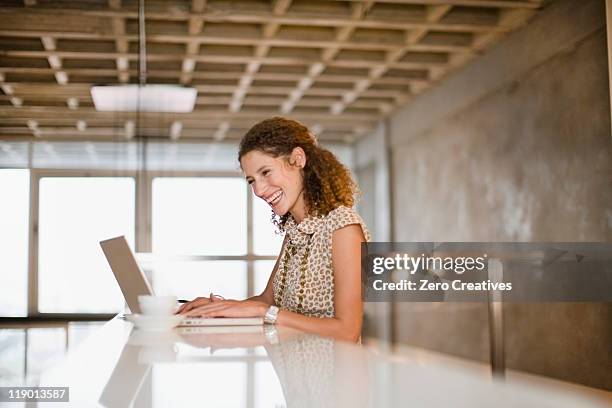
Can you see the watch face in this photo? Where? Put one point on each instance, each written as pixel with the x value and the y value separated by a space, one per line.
pixel 271 314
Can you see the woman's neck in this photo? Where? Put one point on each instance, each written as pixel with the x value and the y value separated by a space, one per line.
pixel 298 211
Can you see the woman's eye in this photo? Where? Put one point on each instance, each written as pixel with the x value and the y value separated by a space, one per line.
pixel 265 172
pixel 249 182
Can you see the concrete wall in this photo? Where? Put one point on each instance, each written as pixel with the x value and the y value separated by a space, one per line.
pixel 514 147
pixel 371 166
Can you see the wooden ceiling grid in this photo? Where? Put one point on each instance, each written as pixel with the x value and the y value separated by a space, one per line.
pixel 337 66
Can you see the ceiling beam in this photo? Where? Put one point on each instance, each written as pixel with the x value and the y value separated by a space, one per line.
pixel 343 34
pixel 33 126
pixel 121 43
pixel 279 8
pixel 175 130
pixel 339 67
pixel 193 47
pixel 110 135
pixel 434 14
pixel 9 92
pixel 221 131
pixel 16 126
pixel 237 16
pixel 82 90
pixel 222 75
pixel 235 39
pixel 73 103
pixel 211 115
pixel 55 62
pixel 509 20
pixel 81 125
pixel 297 59
pixel 529 4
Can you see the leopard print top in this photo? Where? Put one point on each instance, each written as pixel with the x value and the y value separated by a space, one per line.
pixel 304 280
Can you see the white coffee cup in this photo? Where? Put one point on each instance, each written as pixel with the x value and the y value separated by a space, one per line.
pixel 157 305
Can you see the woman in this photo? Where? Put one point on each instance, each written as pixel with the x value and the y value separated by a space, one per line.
pixel 315 285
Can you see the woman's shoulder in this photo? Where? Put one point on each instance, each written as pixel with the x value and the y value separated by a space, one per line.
pixel 341 212
pixel 342 216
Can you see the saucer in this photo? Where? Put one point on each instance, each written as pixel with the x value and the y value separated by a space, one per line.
pixel 155 323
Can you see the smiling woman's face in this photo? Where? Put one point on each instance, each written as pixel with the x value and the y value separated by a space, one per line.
pixel 274 180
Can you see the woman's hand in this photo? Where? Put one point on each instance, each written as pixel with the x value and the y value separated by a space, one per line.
pixel 230 308
pixel 197 302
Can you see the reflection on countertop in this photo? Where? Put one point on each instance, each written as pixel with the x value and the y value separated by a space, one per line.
pixel 27 350
pixel 304 367
pixel 268 366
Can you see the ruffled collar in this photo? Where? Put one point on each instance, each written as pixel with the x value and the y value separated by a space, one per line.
pixel 299 234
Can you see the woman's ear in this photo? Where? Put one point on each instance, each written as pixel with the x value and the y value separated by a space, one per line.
pixel 298 157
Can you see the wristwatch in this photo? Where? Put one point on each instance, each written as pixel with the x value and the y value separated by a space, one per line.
pixel 271 315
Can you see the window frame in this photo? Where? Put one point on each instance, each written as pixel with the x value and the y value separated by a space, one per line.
pixel 143 229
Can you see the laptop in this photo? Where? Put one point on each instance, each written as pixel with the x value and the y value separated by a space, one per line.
pixel 134 283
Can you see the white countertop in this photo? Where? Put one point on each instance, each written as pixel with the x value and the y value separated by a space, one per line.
pixel 119 366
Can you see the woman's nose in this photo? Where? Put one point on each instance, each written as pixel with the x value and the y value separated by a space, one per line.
pixel 258 189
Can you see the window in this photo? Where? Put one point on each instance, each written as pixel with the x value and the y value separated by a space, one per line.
pixel 198 231
pixel 14 221
pixel 199 216
pixel 263 269
pixel 75 213
pixel 190 279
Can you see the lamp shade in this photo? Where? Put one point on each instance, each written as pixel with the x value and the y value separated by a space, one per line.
pixel 145 98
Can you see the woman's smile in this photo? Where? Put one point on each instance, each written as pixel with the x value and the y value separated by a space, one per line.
pixel 274 199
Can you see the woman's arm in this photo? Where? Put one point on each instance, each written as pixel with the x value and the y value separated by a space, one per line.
pixel 267 296
pixel 346 325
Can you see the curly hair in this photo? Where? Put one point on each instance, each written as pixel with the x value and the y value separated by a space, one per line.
pixel 327 182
